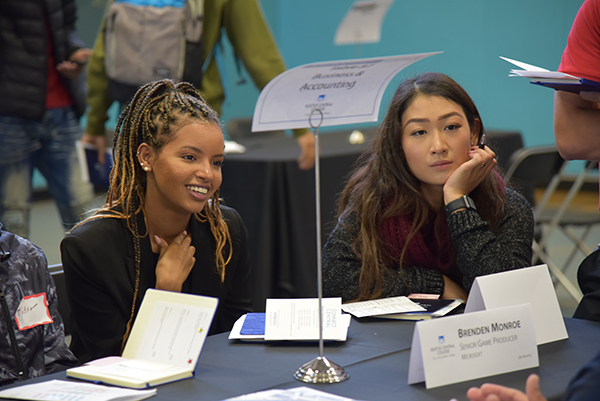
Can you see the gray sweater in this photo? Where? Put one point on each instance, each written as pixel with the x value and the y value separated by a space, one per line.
pixel 479 251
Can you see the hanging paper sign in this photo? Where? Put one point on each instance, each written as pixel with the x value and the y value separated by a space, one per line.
pixel 362 23
pixel 344 92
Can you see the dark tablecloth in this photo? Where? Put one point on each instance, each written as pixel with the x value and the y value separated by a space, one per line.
pixel 376 356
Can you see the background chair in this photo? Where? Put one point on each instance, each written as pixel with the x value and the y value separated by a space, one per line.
pixel 58 274
pixel 543 167
pixel 504 144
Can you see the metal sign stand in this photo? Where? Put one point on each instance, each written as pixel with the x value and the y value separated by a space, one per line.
pixel 320 369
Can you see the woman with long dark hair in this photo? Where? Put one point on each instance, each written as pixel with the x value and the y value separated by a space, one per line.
pixel 425 210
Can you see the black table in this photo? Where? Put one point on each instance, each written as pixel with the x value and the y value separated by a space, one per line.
pixel 277 203
pixel 376 356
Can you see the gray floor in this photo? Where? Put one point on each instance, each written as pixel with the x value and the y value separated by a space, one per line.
pixel 47 232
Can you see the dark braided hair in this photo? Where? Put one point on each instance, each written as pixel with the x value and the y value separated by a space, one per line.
pixel 148 119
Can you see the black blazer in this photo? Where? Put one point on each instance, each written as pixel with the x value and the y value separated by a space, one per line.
pixel 99 264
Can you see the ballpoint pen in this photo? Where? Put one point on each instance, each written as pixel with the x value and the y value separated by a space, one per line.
pixel 482 142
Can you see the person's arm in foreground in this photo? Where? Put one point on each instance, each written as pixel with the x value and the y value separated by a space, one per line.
pixel 577 125
pixel 495 392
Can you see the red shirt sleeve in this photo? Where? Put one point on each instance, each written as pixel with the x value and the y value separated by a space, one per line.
pixel 582 54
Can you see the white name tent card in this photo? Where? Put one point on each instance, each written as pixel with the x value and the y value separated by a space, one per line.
pixel 531 285
pixel 469 346
pixel 298 319
pixel 345 92
pixel 362 23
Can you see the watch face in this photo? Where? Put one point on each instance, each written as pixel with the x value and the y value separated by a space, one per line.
pixel 463 202
pixel 469 203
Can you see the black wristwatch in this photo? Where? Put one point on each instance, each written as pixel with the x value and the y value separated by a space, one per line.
pixel 462 202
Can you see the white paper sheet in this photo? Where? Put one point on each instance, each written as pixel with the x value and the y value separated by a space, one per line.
pixel 298 319
pixel 292 394
pixel 179 333
pixel 382 306
pixel 68 390
pixel 532 71
pixel 362 23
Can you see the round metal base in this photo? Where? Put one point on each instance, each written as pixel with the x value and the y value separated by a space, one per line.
pixel 321 370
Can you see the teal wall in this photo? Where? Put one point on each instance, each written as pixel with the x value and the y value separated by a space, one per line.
pixel 471 33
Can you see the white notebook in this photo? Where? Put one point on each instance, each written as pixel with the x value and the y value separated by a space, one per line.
pixel 164 345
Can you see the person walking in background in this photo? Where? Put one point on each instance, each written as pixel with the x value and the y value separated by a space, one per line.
pixel 42 86
pixel 241 20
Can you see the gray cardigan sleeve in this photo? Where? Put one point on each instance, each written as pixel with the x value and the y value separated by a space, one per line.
pixel 479 252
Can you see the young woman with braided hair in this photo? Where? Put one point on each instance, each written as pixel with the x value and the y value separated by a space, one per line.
pixel 162 225
pixel 425 211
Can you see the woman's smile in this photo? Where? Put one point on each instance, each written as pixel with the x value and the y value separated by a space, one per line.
pixel 199 192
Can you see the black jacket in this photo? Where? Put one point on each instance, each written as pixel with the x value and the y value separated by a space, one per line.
pixel 99 263
pixel 41 348
pixel 24 27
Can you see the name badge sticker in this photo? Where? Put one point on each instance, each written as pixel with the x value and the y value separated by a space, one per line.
pixel 33 311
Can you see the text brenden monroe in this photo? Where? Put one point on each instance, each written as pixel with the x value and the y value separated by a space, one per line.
pixel 494 327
